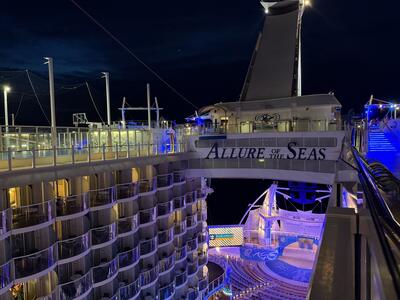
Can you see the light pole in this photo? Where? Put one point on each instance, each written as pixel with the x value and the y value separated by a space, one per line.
pixel 6 90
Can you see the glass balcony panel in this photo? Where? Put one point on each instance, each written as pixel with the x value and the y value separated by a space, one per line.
pixel 72 204
pixel 164 208
pixel 5 275
pixel 180 227
pixel 129 291
pixel 101 197
pixel 179 177
pixel 147 215
pixel 166 263
pixel 75 288
pixel 179 202
pixel 181 278
pixel 105 270
pixel 148 246
pixel 124 191
pixel 73 246
pixel 128 257
pixel 202 238
pixel 165 236
pixel 202 260
pixel 34 263
pixel 180 253
pixel 127 224
pixel 148 276
pixel 5 221
pixel 103 234
pixel 191 220
pixel 192 294
pixel 164 180
pixel 203 284
pixel 34 214
pixel 190 197
pixel 147 185
pixel 166 291
pixel 192 245
pixel 192 267
pixel 201 193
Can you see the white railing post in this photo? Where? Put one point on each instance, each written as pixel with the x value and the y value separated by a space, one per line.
pixel 9 154
pixel 73 154
pixel 33 158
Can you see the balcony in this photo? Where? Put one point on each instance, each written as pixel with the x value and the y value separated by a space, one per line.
pixel 180 227
pixel 203 259
pixel 165 236
pixel 73 246
pixel 126 191
pixel 202 238
pixel 180 253
pixel 166 263
pixel 148 276
pixel 148 246
pixel 127 225
pixel 101 197
pixel 33 214
pixel 103 234
pixel 129 291
pixel 191 221
pixel 5 275
pixel 147 185
pixel 164 180
pixel 192 245
pixel 190 197
pixel 105 271
pixel 148 215
pixel 34 263
pixel 166 292
pixel 202 215
pixel 192 294
pixel 72 205
pixel 179 202
pixel 128 257
pixel 179 176
pixel 165 208
pixel 192 267
pixel 76 288
pixel 203 284
pixel 201 193
pixel 181 278
pixel 5 221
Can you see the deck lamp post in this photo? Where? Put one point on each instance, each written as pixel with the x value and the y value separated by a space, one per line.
pixel 6 90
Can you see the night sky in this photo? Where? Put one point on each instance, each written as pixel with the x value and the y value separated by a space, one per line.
pixel 201 48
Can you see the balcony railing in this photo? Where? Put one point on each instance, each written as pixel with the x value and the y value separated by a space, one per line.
pixel 202 259
pixel 148 276
pixel 167 291
pixel 192 267
pixel 192 245
pixel 33 214
pixel 203 284
pixel 5 221
pixel 190 197
pixel 103 234
pixel 102 197
pixel 166 263
pixel 191 220
pixel 129 291
pixel 202 238
pixel 34 263
pixel 147 185
pixel 73 246
pixel 181 278
pixel 125 191
pixel 148 246
pixel 148 215
pixel 128 257
pixel 179 176
pixel 180 227
pixel 105 270
pixel 76 288
pixel 165 208
pixel 164 180
pixel 180 253
pixel 128 224
pixel 5 275
pixel 72 204
pixel 192 294
pixel 165 236
pixel 201 193
pixel 179 202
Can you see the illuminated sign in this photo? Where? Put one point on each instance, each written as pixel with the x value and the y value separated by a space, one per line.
pixel 225 236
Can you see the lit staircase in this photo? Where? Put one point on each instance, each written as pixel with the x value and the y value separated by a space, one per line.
pixel 378 141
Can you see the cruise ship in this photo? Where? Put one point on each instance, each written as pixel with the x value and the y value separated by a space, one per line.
pixel 118 211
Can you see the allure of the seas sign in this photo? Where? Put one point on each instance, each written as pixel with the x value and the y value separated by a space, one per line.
pixel 291 151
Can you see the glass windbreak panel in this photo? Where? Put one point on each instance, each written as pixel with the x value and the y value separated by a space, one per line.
pixel 190 197
pixel 34 214
pixel 192 267
pixel 5 275
pixel 128 190
pixel 128 257
pixel 5 221
pixel 148 215
pixel 181 278
pixel 180 227
pixel 165 236
pixel 148 246
pixel 192 245
pixel 76 288
pixel 164 180
pixel 179 177
pixel 103 234
pixel 73 246
pixel 179 202
pixel 129 291
pixel 166 291
pixel 105 271
pixel 203 284
pixel 180 253
pixel 34 263
pixel 166 263
pixel 72 204
pixel 101 197
pixel 192 294
pixel 164 208
pixel 191 220
pixel 148 276
pixel 127 224
pixel 147 185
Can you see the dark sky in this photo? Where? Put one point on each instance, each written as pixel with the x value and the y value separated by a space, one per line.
pixel 202 48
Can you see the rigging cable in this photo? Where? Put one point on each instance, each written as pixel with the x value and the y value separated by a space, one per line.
pixel 19 107
pixel 94 103
pixel 36 96
pixel 132 54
